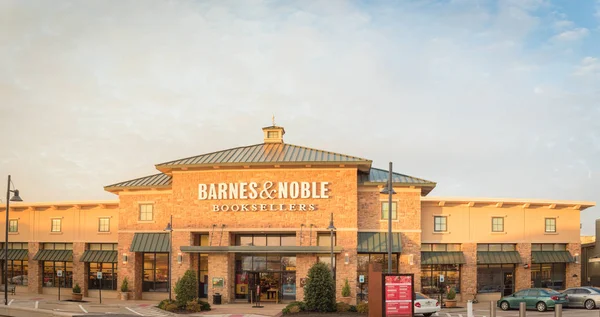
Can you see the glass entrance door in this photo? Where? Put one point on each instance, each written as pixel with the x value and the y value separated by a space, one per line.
pixel 508 283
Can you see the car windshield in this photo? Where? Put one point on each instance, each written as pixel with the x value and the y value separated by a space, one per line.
pixel 551 291
pixel 421 296
pixel 597 290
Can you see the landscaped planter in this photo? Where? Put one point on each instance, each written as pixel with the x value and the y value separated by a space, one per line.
pixel 77 296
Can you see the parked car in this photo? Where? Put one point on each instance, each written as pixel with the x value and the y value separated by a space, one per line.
pixel 426 306
pixel 588 297
pixel 538 298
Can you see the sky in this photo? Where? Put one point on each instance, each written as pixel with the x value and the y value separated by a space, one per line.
pixel 486 98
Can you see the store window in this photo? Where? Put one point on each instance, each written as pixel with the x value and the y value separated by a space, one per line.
pixel 496 278
pixel 385 210
pixel 324 239
pixel 551 225
pixel 109 276
pixel 146 212
pixel 273 273
pixel 362 261
pixel 548 275
pixel 440 247
pixel 104 225
pixel 13 225
pixel 485 247
pixel 272 134
pixel 440 223
pixel 17 269
pixel 56 225
pixel 50 268
pixel 435 279
pixel 156 272
pixel 270 240
pixel 497 224
pixel 103 246
pixel 548 247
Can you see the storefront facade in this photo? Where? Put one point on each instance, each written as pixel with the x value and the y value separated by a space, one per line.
pixel 257 217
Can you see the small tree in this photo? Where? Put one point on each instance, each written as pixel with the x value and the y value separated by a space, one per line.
pixel 186 287
pixel 346 289
pixel 451 294
pixel 125 286
pixel 319 291
pixel 76 289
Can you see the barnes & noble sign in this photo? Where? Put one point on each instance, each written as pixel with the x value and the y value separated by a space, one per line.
pixel 263 191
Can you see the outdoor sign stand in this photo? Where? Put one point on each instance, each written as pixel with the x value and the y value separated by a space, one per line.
pixel 398 294
pixel 59 274
pixel 257 298
pixel 99 276
pixel 361 280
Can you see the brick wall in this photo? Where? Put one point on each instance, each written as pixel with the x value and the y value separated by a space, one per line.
pixel 79 275
pixel 303 264
pixel 574 269
pixel 411 246
pixel 522 274
pixel 468 273
pixel 34 275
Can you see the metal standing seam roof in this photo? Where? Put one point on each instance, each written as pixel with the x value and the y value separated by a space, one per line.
pixel 97 256
pixel 266 153
pixel 156 180
pixel 551 257
pixel 54 255
pixel 452 257
pixel 377 175
pixel 261 249
pixel 376 242
pixel 498 257
pixel 150 242
pixel 15 254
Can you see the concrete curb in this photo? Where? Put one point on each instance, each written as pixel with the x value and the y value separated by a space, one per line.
pixel 32 312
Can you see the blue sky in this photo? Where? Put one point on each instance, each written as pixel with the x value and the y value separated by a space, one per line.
pixel 488 98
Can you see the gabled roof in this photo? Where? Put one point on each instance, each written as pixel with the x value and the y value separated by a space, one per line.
pixel 266 153
pixel 380 176
pixel 153 181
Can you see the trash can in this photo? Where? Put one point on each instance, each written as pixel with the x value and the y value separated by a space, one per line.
pixel 217 299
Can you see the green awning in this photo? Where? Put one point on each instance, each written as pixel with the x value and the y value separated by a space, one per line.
pixel 453 257
pixel 97 256
pixel 498 257
pixel 54 255
pixel 376 242
pixel 258 249
pixel 551 257
pixel 14 254
pixel 150 242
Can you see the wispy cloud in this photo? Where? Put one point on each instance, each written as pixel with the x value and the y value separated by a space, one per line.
pixel 572 35
pixel 563 24
pixel 588 66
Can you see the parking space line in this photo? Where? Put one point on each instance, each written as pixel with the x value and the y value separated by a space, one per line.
pixel 133 311
pixel 10 302
pixel 85 311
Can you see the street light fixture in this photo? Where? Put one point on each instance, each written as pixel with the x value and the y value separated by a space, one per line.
pixel 169 229
pixel 15 197
pixel 389 189
pixel 331 229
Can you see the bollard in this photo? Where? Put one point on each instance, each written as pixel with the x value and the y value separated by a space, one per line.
pixel 558 310
pixel 469 308
pixel 492 309
pixel 522 309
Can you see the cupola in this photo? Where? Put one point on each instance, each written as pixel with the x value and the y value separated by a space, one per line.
pixel 273 133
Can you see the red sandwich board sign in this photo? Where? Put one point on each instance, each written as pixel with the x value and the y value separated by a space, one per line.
pixel 398 295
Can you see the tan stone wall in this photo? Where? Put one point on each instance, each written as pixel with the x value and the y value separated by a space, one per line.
pixel 468 272
pixel 132 269
pixel 411 246
pixel 574 269
pixel 79 276
pixel 34 275
pixel 522 274
pixel 303 264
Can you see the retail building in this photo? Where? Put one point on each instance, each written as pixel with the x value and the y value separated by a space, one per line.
pixel 258 216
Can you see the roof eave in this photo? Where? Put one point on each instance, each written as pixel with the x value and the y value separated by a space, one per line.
pixel 362 165
pixel 121 188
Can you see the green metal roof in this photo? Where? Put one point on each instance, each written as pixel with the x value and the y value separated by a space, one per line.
pixel 267 153
pixel 259 249
pixel 453 257
pixel 54 255
pixel 97 256
pixel 551 257
pixel 377 175
pixel 14 254
pixel 150 242
pixel 498 257
pixel 152 181
pixel 376 242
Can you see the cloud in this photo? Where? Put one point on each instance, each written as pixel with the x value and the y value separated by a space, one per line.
pixel 564 24
pixel 588 66
pixel 572 35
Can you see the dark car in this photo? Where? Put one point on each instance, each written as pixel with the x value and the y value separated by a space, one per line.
pixel 538 298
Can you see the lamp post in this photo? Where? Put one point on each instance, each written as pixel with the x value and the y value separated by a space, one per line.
pixel 331 229
pixel 8 200
pixel 389 189
pixel 169 229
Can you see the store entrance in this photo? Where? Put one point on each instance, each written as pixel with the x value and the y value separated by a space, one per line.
pixel 273 275
pixel 264 285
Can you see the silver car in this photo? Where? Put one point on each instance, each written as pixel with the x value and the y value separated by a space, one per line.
pixel 588 297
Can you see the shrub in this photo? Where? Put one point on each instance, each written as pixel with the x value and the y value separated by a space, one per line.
pixel 163 303
pixel 171 307
pixel 193 306
pixel 204 306
pixel 186 287
pixel 352 308
pixel 362 308
pixel 319 291
pixel 346 289
pixel 125 286
pixel 76 289
pixel 294 307
pixel 451 294
pixel 342 307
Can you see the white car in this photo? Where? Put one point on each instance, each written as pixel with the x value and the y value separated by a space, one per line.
pixel 426 306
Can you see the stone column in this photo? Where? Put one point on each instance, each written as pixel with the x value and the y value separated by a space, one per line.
pixel 411 248
pixel 34 274
pixel 79 268
pixel 218 266
pixel 468 272
pixel 522 274
pixel 132 270
pixel 303 264
pixel 348 240
pixel 573 278
pixel 180 238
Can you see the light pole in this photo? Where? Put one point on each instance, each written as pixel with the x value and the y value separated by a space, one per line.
pixel 169 229
pixel 389 189
pixel 331 229
pixel 8 200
